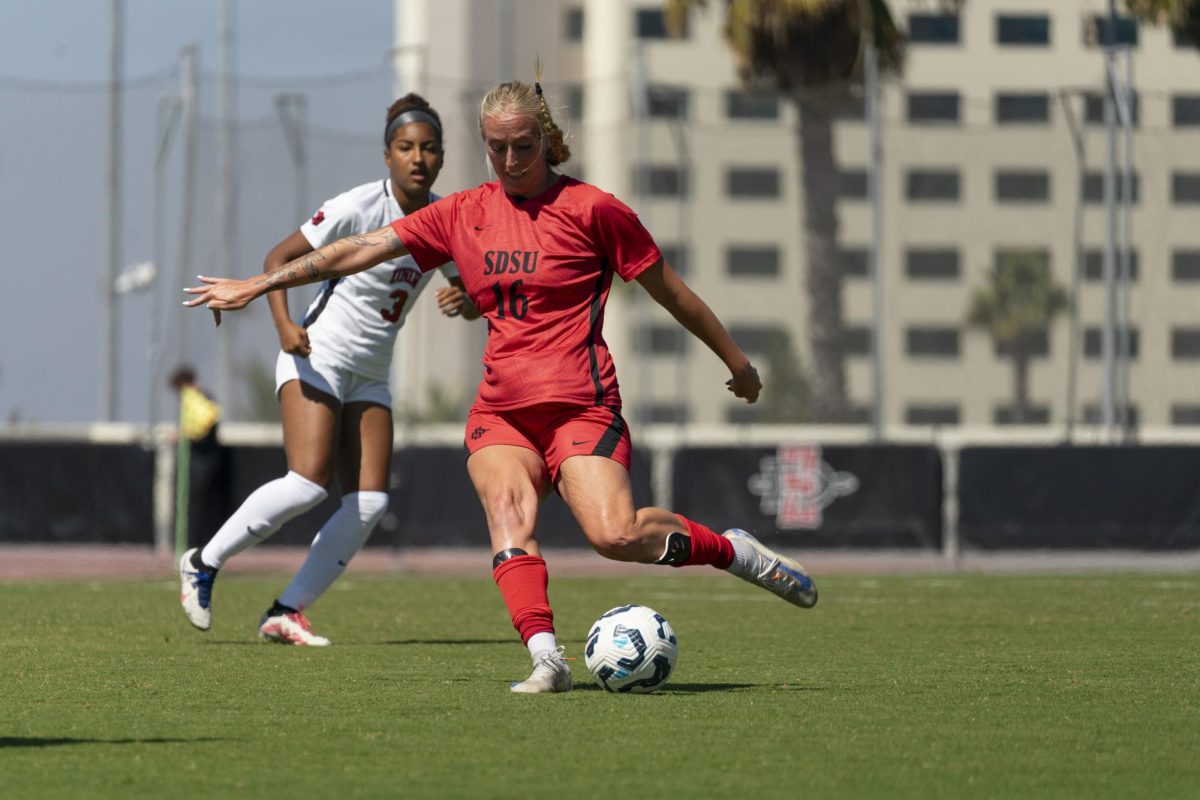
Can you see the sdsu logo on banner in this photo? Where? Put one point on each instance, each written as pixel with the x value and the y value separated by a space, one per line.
pixel 796 485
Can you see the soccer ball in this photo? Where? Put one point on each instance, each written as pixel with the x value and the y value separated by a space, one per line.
pixel 631 649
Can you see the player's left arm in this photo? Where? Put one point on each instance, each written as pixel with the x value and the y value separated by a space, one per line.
pixel 670 292
pixel 453 300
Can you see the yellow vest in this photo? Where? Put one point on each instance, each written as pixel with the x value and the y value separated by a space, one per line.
pixel 197 414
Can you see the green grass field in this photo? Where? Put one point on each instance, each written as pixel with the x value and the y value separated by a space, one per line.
pixel 898 686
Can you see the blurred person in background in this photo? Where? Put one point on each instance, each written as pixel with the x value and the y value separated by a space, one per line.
pixel 332 382
pixel 208 461
pixel 537 251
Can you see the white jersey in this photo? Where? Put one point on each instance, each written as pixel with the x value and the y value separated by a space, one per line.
pixel 353 321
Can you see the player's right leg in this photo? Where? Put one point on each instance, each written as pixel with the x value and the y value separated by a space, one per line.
pixel 511 481
pixel 310 419
pixel 364 462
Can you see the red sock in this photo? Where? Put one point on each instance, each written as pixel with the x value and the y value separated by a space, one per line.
pixel 707 547
pixel 522 581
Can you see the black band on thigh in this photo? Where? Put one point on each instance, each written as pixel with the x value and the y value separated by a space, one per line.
pixel 678 550
pixel 505 555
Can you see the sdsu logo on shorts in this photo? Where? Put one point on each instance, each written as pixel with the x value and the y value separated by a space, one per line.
pixel 478 433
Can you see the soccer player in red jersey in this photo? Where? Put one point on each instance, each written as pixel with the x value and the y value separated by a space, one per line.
pixel 537 251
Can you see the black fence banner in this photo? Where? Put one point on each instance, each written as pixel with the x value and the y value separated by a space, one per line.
pixel 76 492
pixel 809 495
pixel 431 500
pixel 1080 497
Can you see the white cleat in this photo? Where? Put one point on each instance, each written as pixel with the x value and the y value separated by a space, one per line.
pixel 290 629
pixel 551 673
pixel 195 592
pixel 755 562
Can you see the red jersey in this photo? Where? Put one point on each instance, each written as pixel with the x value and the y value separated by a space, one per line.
pixel 539 271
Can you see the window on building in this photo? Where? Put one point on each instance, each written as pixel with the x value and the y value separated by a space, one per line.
pixel 667 102
pixel 1097 29
pixel 924 107
pixel 1023 30
pixel 743 414
pixel 1185 110
pixel 666 413
pixel 931 342
pixel 677 256
pixel 752 182
pixel 757 339
pixel 852 184
pixel 933 29
pixel 1093 342
pixel 1185 344
pixel 573 23
pixel 752 261
pixel 1185 414
pixel 1093 187
pixel 574 97
pixel 931 185
pixel 751 105
pixel 850 109
pixel 855 262
pixel 931 263
pixel 663 181
pixel 1093 265
pixel 665 340
pixel 1039 347
pixel 1093 109
pixel 651 23
pixel 1022 186
pixel 1022 108
pixel 1006 414
pixel 1185 188
pixel 932 414
pixel 1185 266
pixel 1093 414
pixel 856 340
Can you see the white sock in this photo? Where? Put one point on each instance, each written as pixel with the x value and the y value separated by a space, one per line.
pixel 540 643
pixel 262 514
pixel 342 535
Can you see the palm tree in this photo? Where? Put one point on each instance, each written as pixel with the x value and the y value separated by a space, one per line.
pixel 812 50
pixel 1182 15
pixel 1016 308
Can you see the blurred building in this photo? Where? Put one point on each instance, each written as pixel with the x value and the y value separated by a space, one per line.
pixel 993 142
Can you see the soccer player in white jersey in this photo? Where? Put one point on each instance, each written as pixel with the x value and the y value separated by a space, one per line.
pixel 332 383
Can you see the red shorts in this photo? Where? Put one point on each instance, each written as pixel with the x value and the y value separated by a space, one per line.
pixel 555 432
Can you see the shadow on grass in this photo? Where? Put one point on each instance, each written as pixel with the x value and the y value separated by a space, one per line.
pixel 54 741
pixel 506 640
pixel 703 688
pixel 261 643
pixel 678 688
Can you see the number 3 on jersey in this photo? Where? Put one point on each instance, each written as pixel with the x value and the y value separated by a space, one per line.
pixel 518 304
pixel 393 314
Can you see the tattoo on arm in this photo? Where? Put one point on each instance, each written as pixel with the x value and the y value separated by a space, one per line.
pixel 314 266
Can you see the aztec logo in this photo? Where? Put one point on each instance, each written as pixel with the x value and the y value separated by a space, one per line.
pixel 796 486
pixel 318 218
pixel 478 432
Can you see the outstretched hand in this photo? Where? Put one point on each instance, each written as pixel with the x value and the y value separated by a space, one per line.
pixel 745 383
pixel 221 294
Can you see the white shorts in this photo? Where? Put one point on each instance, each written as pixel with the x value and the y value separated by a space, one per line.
pixel 338 382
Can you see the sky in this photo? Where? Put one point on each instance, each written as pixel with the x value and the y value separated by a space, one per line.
pixel 54 141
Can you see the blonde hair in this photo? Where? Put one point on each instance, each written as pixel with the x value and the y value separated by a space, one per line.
pixel 522 100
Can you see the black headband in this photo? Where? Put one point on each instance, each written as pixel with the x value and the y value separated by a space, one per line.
pixel 412 115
